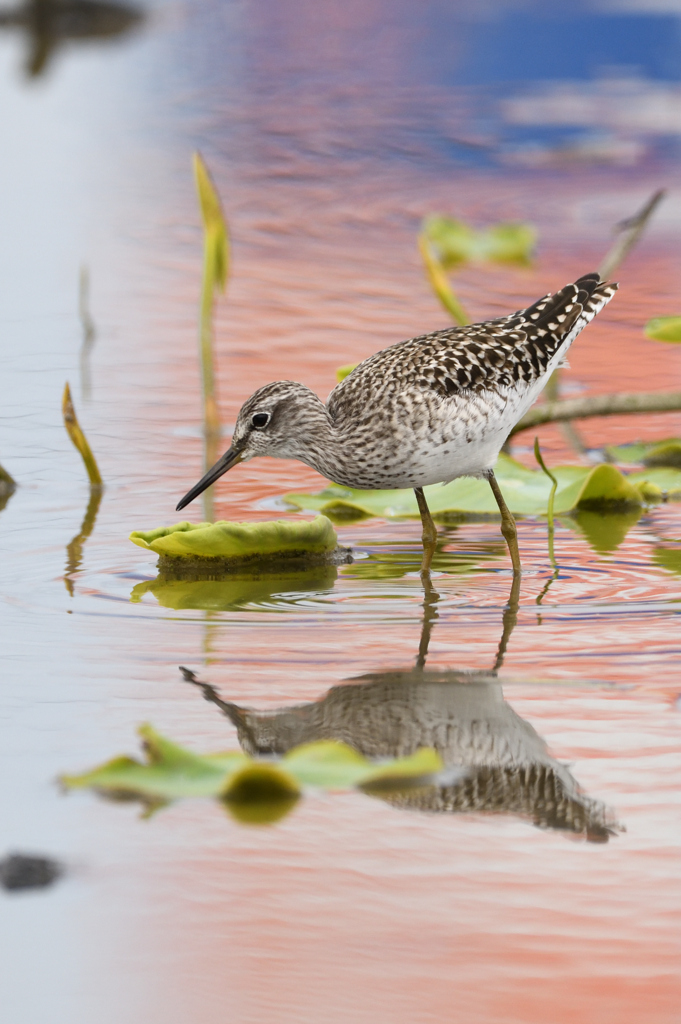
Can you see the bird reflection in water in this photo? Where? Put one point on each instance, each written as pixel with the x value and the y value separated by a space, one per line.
pixel 462 714
pixel 49 24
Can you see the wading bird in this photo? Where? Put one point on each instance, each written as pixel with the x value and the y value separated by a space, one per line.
pixel 423 411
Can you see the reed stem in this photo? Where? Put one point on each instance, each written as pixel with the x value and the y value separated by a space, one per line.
pixel 215 268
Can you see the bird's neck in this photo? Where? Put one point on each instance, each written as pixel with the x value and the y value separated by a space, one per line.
pixel 320 445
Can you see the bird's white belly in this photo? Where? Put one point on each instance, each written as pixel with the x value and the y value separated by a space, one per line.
pixel 467 442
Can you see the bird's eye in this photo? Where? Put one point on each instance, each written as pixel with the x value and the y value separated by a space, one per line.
pixel 261 419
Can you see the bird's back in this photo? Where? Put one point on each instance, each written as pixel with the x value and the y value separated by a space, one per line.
pixel 515 351
pixel 441 405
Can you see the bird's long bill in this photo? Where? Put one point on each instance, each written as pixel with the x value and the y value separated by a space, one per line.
pixel 229 459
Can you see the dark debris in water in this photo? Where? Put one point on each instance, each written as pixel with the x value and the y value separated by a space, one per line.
pixel 25 871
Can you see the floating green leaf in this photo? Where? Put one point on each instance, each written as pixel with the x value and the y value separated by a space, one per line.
pixel 169 772
pixel 457 243
pixel 650 453
pixel 238 541
pixel 664 328
pixel 526 492
pixel 255 790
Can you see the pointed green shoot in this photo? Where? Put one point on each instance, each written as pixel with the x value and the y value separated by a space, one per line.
pixel 439 282
pixel 79 440
pixel 214 226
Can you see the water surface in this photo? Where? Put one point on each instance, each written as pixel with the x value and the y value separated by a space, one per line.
pixel 331 131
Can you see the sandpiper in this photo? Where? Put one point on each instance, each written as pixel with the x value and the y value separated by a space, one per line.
pixel 423 411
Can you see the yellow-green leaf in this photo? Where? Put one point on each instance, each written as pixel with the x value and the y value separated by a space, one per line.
pixel 169 772
pixel 214 223
pixel 650 453
pixel 664 328
pixel 456 242
pixel 225 540
pixel 344 371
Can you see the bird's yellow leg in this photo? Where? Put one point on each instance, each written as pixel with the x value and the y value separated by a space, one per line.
pixel 508 527
pixel 429 530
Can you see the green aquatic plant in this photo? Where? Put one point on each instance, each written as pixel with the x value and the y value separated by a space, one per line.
pixel 225 542
pixel 445 244
pixel 527 491
pixel 664 328
pixel 648 453
pixel 251 787
pixel 79 439
pixel 456 243
pixel 439 282
pixel 215 270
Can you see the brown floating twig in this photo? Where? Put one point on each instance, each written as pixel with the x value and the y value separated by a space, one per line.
pixel 76 434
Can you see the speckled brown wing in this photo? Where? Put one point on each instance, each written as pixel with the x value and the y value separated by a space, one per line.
pixel 497 353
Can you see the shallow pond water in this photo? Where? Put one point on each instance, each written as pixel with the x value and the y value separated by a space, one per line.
pixel 545 890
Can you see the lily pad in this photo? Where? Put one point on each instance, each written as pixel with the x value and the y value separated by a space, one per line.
pixel 599 488
pixel 458 243
pixel 664 328
pixel 650 453
pixel 207 544
pixel 171 772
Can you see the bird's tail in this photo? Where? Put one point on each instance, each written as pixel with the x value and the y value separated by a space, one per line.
pixel 564 314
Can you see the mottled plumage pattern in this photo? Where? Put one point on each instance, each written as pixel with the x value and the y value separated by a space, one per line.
pixel 497 354
pixel 465 718
pixel 441 405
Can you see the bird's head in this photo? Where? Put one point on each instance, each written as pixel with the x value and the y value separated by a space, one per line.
pixel 282 420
